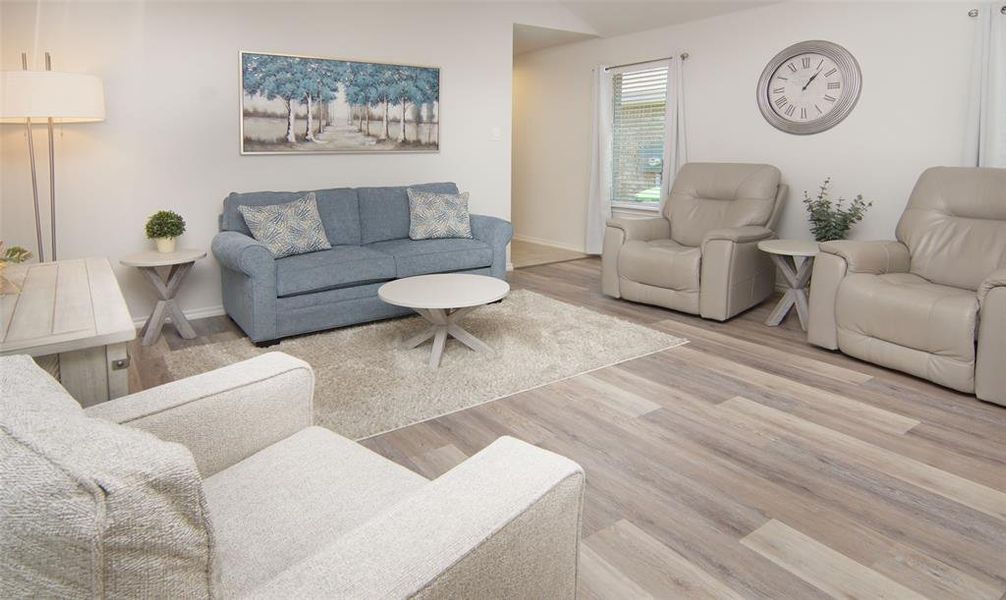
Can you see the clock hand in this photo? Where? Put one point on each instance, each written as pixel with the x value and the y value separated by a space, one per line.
pixel 811 80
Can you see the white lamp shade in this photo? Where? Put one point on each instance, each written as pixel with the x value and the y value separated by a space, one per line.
pixel 66 97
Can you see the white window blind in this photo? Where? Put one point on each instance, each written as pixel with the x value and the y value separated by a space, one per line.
pixel 639 100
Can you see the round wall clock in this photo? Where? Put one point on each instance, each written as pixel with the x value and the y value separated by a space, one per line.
pixel 809 87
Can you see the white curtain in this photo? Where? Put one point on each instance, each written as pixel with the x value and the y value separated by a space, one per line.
pixel 675 140
pixel 985 138
pixel 599 195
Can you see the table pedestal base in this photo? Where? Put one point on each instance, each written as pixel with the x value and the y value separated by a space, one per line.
pixel 796 295
pixel 166 288
pixel 444 323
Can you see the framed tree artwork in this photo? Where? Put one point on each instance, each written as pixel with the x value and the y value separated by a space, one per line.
pixel 302 104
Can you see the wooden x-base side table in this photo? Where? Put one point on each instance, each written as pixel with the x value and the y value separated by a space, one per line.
pixel 179 264
pixel 785 255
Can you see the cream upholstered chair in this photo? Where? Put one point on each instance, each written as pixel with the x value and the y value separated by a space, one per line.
pixel 218 486
pixel 932 303
pixel 701 255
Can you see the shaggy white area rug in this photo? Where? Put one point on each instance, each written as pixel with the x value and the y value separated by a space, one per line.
pixel 367 384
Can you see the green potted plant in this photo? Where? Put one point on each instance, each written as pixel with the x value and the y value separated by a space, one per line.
pixel 164 227
pixel 11 255
pixel 832 220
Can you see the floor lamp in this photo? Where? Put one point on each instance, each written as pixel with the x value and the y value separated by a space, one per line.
pixel 54 97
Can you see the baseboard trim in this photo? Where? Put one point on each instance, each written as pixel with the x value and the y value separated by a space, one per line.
pixel 191 314
pixel 550 243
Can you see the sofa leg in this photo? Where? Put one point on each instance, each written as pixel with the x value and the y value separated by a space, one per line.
pixel 266 343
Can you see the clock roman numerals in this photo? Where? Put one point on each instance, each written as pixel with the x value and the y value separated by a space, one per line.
pixel 808 87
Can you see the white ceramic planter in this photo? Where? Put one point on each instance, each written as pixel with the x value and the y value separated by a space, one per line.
pixel 165 245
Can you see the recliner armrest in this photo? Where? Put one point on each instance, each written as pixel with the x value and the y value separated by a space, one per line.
pixel 995 280
pixel 226 415
pixel 503 524
pixel 876 257
pixel 740 235
pixel 239 252
pixel 645 229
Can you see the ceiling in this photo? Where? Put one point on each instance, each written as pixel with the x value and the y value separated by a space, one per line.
pixel 528 38
pixel 617 17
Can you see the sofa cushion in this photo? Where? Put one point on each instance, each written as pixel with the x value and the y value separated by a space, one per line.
pixel 660 263
pixel 339 210
pixel 338 267
pixel 288 501
pixel 909 311
pixel 91 508
pixel 384 211
pixel 420 257
pixel 289 228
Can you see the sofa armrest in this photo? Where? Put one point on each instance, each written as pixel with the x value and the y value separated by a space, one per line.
pixel 244 254
pixel 645 229
pixel 876 257
pixel 225 415
pixel 497 233
pixel 491 230
pixel 739 235
pixel 503 524
pixel 996 280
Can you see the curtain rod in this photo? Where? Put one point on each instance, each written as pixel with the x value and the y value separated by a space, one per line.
pixel 684 56
pixel 974 11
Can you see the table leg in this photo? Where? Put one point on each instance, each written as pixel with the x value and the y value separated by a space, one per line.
pixel 797 278
pixel 166 289
pixel 419 338
pixel 152 328
pixel 443 324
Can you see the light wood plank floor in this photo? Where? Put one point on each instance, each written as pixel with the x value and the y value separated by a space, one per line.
pixel 746 464
pixel 529 254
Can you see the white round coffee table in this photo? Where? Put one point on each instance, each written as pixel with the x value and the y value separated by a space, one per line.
pixel 784 254
pixel 443 300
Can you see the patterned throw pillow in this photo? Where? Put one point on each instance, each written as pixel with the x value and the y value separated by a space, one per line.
pixel 434 216
pixel 290 228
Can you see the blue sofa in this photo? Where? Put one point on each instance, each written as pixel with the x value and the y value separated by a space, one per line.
pixel 271 298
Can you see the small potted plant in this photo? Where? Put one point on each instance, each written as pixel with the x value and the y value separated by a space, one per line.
pixel 164 227
pixel 831 220
pixel 11 255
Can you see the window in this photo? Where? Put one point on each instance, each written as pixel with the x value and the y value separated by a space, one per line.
pixel 637 157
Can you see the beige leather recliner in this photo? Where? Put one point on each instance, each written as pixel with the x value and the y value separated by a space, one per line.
pixel 701 256
pixel 932 303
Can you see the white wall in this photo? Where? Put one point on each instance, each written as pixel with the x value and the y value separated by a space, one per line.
pixel 915 60
pixel 171 136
